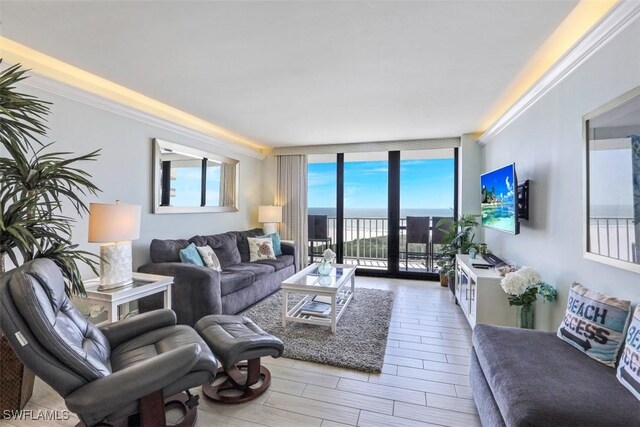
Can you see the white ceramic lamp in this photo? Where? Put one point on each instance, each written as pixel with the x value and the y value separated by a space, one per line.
pixel 270 216
pixel 116 225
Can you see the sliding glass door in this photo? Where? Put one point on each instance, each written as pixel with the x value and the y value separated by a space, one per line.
pixel 379 210
pixel 427 196
pixel 366 207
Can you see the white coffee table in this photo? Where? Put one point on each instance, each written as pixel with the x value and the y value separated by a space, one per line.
pixel 309 282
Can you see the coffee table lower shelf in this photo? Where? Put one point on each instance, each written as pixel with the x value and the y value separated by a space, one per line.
pixel 294 314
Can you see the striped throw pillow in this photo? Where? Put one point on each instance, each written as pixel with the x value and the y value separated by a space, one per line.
pixel 595 324
pixel 629 367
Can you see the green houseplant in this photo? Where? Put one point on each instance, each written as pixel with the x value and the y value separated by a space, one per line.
pixel 457 239
pixel 36 184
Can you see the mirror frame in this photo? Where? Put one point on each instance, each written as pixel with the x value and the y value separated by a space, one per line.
pixel 622 99
pixel 157 209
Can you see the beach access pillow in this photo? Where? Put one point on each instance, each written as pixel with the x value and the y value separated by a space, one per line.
pixel 629 367
pixel 209 257
pixel 190 255
pixel 595 324
pixel 277 245
pixel 260 248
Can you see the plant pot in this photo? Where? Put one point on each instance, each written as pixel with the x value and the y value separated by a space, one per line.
pixel 444 280
pixel 16 380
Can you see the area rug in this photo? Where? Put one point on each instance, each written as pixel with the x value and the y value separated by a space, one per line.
pixel 361 334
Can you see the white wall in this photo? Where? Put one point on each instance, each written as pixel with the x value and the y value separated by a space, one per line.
pixel 124 171
pixel 546 144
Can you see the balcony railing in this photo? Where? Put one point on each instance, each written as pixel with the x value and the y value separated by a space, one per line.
pixel 613 238
pixel 365 242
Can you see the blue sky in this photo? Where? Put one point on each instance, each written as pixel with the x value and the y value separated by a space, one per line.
pixel 500 181
pixel 424 183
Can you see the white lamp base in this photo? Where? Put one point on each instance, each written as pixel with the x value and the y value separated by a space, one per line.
pixel 270 227
pixel 116 268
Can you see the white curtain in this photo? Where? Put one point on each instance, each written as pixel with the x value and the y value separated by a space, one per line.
pixel 291 194
pixel 228 184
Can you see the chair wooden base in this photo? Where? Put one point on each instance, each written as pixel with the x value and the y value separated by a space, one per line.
pixel 152 412
pixel 239 382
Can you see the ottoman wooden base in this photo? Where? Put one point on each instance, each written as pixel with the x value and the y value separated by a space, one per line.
pixel 240 379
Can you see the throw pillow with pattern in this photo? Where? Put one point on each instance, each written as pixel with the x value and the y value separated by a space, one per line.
pixel 260 248
pixel 595 324
pixel 209 257
pixel 629 367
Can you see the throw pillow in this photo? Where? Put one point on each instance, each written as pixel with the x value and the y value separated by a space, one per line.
pixel 277 244
pixel 260 248
pixel 190 255
pixel 629 367
pixel 594 323
pixel 209 257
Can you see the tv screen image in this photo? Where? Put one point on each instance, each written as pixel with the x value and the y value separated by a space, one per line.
pixel 499 199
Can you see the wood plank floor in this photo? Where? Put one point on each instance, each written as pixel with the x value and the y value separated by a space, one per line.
pixel 424 382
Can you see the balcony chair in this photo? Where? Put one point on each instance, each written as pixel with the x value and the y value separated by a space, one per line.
pixel 317 226
pixel 114 375
pixel 417 233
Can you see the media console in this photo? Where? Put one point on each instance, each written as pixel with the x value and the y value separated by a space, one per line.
pixel 480 295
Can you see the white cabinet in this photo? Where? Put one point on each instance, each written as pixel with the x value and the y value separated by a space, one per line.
pixel 480 295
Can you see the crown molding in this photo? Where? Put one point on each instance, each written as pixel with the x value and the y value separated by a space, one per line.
pixel 623 15
pixel 47 84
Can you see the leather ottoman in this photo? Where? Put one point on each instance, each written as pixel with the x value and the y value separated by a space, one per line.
pixel 234 339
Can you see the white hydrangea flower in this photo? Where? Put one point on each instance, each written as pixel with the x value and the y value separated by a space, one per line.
pixel 514 283
pixel 329 255
pixel 530 275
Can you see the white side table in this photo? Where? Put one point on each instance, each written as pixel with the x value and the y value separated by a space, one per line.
pixel 113 300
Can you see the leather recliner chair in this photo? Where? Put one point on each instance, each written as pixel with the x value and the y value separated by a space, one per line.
pixel 108 374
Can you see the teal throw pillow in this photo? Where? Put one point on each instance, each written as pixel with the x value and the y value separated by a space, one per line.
pixel 190 255
pixel 629 367
pixel 595 324
pixel 275 238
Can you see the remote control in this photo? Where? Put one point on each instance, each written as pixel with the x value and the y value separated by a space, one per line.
pixel 483 266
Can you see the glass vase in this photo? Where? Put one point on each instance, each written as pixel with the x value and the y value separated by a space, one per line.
pixel 525 316
pixel 324 269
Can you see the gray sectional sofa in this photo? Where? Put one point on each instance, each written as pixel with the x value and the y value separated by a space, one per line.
pixel 200 291
pixel 522 377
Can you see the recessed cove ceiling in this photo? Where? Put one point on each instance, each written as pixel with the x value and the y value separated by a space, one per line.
pixel 301 73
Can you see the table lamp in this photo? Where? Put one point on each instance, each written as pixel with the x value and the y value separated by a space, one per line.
pixel 270 216
pixel 116 225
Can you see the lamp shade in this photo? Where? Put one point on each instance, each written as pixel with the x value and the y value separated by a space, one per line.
pixel 113 222
pixel 269 213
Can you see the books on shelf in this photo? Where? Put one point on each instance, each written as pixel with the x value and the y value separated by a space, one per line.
pixel 315 308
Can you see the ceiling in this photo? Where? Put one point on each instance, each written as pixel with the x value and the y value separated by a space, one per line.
pixel 302 73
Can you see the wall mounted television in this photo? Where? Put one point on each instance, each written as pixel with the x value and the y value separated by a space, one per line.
pixel 499 207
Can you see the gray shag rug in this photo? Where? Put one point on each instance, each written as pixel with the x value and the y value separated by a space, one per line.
pixel 361 334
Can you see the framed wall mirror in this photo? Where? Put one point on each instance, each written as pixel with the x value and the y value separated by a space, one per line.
pixel 612 182
pixel 187 180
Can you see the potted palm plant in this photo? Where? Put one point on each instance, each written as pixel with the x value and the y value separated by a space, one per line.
pixel 35 184
pixel 458 239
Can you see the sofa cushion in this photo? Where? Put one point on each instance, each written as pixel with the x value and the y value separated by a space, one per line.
pixel 277 244
pixel 209 257
pixel 282 261
pixel 260 271
pixel 231 281
pixel 190 255
pixel 243 243
pixel 224 245
pixel 595 324
pixel 167 250
pixel 629 368
pixel 538 379
pixel 260 248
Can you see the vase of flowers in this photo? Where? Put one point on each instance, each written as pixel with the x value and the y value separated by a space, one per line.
pixel 328 257
pixel 523 287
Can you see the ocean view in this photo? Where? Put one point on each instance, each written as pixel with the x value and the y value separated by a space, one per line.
pixel 380 212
